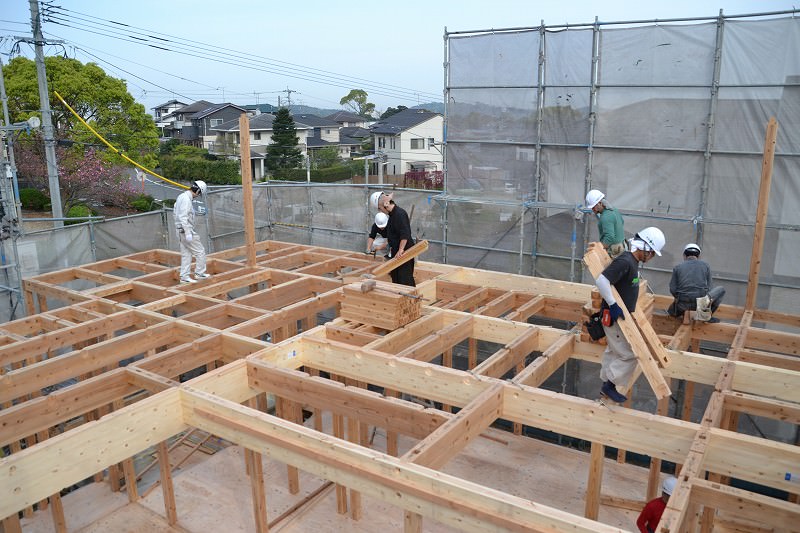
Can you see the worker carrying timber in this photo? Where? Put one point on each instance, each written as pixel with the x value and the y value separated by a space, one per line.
pixel 691 289
pixel 648 519
pixel 376 241
pixel 610 224
pixel 398 233
pixel 183 211
pixel 622 273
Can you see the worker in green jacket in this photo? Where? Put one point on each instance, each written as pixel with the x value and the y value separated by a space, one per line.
pixel 610 225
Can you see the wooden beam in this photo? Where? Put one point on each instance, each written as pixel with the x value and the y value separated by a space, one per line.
pixel 76 455
pixel 770 140
pixel 453 502
pixel 450 438
pixel 766 511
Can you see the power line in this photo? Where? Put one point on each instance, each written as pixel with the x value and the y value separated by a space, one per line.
pixel 236 59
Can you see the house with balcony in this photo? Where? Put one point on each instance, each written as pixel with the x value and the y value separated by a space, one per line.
pixel 193 124
pixel 409 141
pixel 164 114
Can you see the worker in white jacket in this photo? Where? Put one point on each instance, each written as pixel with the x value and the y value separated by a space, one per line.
pixel 187 236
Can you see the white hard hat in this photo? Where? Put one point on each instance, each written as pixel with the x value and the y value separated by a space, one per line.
pixel 592 197
pixel 669 485
pixel 652 237
pixel 199 185
pixel 374 198
pixel 691 246
pixel 381 219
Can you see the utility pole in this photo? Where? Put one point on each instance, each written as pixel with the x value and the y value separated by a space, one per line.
pixel 288 92
pixel 47 118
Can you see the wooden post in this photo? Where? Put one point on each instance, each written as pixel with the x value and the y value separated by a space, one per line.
pixel 595 482
pixel 57 511
pixel 247 190
pixel 166 483
pixel 258 492
pixel 761 214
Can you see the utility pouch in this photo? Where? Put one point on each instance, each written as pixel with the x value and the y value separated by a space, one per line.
pixel 595 327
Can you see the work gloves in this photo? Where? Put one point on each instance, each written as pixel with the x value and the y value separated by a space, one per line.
pixel 616 312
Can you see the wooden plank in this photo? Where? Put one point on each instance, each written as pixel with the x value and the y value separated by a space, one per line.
pixel 386 267
pixel 594 261
pixel 766 407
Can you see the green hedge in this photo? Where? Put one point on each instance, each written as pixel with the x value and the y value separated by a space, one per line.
pixel 77 211
pixel 213 172
pixel 322 175
pixel 33 199
pixel 143 203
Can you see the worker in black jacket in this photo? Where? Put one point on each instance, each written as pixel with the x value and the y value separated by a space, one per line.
pixel 398 232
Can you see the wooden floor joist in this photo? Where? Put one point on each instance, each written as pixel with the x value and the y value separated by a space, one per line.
pixel 207 355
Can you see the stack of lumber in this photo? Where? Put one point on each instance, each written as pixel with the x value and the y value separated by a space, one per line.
pixel 384 305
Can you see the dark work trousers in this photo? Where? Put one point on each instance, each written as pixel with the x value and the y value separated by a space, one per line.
pixel 404 274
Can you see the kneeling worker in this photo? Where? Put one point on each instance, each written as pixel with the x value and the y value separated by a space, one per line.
pixel 377 234
pixel 691 280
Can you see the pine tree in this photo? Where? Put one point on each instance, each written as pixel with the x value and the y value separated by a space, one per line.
pixel 283 152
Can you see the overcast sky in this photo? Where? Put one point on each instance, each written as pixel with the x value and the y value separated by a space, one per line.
pixel 248 51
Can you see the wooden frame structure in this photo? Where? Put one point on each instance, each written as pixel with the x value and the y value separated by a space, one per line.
pixel 95 377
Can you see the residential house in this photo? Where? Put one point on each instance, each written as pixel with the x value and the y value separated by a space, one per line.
pixel 325 133
pixel 227 141
pixel 194 123
pixel 346 119
pixel 410 141
pixel 163 114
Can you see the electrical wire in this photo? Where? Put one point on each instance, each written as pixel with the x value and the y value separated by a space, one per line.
pixel 235 59
pixel 113 148
pixel 175 41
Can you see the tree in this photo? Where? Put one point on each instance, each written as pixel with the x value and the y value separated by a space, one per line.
pixel 283 152
pixel 325 157
pixel 356 101
pixel 84 177
pixel 101 100
pixel 392 111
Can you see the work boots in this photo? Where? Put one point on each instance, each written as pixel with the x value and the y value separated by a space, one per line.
pixel 609 390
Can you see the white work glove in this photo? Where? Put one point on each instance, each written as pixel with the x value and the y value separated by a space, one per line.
pixel 188 237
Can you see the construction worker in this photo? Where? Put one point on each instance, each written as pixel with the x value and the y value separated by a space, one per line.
pixel 398 233
pixel 610 224
pixel 651 514
pixel 619 361
pixel 190 244
pixel 691 280
pixel 377 234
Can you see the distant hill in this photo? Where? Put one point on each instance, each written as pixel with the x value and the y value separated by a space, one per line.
pixel 435 107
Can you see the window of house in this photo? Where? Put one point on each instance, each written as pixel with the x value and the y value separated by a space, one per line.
pixel 381 142
pixel 257 136
pixel 215 122
pixel 392 143
pixel 431 142
pixel 417 144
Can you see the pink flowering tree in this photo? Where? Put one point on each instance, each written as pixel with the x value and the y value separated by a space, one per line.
pixel 83 176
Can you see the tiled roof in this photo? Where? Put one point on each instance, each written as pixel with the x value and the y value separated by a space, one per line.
pixel 399 122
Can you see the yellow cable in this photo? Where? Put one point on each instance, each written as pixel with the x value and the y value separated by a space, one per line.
pixel 125 157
